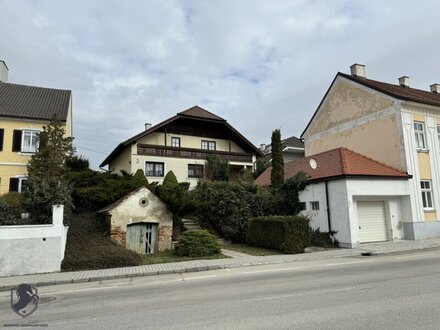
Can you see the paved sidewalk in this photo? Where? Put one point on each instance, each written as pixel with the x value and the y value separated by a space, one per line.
pixel 7 283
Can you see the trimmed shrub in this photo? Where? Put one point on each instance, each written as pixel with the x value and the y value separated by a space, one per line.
pixel 288 234
pixel 12 199
pixel 197 243
pixel 226 207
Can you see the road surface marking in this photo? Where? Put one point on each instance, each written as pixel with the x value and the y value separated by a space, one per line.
pixel 306 267
pixel 199 277
pixel 417 255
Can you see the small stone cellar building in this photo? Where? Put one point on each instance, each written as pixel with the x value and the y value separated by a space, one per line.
pixel 140 221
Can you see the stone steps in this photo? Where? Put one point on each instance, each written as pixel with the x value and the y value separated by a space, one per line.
pixel 191 224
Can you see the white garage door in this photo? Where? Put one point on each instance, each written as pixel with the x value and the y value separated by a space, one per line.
pixel 372 222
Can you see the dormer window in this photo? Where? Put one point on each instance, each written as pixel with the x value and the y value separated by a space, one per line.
pixel 419 131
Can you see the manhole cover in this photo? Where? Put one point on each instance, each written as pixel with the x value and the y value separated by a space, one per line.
pixel 46 300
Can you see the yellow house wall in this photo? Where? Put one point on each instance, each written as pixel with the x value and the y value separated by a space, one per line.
pixel 346 102
pixel 430 216
pixel 378 139
pixel 13 164
pixel 424 165
pixel 122 162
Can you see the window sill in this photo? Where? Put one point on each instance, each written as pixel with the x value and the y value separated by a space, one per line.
pixel 423 150
pixel 428 210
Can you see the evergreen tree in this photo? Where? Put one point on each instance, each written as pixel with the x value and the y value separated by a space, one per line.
pixel 277 173
pixel 217 169
pixel 47 183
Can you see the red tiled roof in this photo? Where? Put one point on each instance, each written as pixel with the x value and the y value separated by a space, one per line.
pixel 397 91
pixel 339 162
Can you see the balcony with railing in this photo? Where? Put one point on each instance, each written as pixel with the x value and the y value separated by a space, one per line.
pixel 165 151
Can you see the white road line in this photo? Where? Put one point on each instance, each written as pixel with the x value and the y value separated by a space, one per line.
pixel 306 267
pixel 417 255
pixel 199 277
pixel 108 287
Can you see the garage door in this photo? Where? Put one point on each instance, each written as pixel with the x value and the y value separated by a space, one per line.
pixel 372 222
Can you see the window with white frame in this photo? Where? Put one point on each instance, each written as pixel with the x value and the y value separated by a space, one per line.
pixel 426 194
pixel 208 145
pixel 419 131
pixel 154 169
pixel 22 183
pixel 29 141
pixel 438 135
pixel 175 142
pixel 314 206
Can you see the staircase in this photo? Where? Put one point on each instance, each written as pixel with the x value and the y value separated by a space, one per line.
pixel 191 224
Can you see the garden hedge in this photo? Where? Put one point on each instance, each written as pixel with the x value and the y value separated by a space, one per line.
pixel 197 243
pixel 288 234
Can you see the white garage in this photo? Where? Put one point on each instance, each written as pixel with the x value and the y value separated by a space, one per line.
pixel 362 200
pixel 373 225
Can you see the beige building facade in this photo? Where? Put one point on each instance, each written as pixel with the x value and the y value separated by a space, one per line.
pixel 182 144
pixel 391 123
pixel 24 110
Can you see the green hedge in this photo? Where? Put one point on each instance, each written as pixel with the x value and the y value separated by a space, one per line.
pixel 197 243
pixel 289 234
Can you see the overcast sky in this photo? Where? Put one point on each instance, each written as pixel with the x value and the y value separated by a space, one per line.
pixel 261 65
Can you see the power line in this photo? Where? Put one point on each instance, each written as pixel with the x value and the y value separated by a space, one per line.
pixel 98 152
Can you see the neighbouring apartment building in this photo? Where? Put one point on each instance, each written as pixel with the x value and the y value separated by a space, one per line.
pixel 24 110
pixel 394 124
pixel 292 148
pixel 182 144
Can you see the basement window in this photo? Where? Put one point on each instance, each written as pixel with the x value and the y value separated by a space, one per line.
pixel 314 206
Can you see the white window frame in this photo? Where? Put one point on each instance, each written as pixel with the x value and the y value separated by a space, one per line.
pixel 314 206
pixel 210 145
pixel 175 138
pixel 427 196
pixel 155 172
pixel 420 136
pixel 20 183
pixel 29 148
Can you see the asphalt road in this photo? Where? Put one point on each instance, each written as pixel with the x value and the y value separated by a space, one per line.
pixel 399 291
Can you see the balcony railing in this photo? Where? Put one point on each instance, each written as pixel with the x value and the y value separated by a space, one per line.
pixel 165 151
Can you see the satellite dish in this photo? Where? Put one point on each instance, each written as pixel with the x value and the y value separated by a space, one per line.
pixel 313 164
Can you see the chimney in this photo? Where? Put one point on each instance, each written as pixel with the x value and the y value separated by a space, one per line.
pixel 435 88
pixel 3 71
pixel 404 81
pixel 358 70
pixel 262 147
pixel 147 126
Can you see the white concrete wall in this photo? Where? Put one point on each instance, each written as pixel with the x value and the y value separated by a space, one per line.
pixel 32 249
pixel 315 193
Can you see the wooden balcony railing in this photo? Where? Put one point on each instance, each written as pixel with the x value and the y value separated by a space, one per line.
pixel 165 151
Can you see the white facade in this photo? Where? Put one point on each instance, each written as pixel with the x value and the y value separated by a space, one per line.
pixel 343 197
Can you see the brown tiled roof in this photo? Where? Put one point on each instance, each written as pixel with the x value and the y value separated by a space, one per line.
pixel 33 102
pixel 335 163
pixel 195 112
pixel 199 112
pixel 397 91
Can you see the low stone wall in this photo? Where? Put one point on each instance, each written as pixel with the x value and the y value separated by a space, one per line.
pixel 32 249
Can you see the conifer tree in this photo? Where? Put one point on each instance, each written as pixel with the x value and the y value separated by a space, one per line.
pixel 277 173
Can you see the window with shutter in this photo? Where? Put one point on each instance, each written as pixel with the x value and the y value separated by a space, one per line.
pixel 13 184
pixel 2 134
pixel 16 141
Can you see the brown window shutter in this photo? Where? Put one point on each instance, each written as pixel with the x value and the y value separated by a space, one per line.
pixel 2 134
pixel 13 184
pixel 16 140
